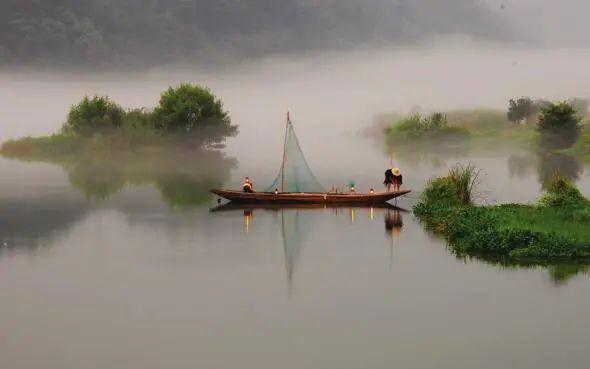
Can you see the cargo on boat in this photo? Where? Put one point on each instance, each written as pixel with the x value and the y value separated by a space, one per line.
pixel 296 184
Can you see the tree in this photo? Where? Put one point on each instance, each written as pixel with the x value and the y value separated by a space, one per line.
pixel 193 109
pixel 97 115
pixel 521 109
pixel 559 125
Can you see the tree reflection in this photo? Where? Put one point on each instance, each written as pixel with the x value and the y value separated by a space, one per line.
pixel 183 177
pixel 552 163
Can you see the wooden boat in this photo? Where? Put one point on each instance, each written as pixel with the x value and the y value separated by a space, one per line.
pixel 308 198
pixel 236 206
pixel 286 197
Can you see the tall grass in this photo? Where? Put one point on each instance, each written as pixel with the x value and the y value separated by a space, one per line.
pixel 465 177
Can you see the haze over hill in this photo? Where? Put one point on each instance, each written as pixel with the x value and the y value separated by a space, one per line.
pixel 147 32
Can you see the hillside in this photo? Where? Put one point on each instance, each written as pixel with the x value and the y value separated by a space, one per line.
pixel 111 32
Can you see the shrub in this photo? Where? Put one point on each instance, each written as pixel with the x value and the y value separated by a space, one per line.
pixel 425 127
pixel 562 194
pixel 96 115
pixel 139 120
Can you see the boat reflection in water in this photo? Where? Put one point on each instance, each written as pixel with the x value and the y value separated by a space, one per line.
pixel 295 226
pixel 394 222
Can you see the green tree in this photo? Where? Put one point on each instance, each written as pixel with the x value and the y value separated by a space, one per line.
pixel 195 110
pixel 96 115
pixel 521 109
pixel 559 125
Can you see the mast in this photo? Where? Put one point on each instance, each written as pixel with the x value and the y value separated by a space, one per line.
pixel 284 153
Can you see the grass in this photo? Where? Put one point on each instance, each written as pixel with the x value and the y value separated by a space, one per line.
pixel 556 230
pixel 582 148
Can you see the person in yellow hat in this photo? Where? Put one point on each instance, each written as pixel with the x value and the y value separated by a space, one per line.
pixel 397 179
pixel 388 179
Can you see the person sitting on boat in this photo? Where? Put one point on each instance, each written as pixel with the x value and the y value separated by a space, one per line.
pixel 248 186
pixel 397 179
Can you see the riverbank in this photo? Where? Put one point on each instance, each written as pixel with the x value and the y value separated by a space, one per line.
pixel 555 230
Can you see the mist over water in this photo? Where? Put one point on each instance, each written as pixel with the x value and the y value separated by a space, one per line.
pixel 131 280
pixel 331 97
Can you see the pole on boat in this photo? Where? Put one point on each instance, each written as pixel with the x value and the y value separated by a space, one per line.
pixel 284 152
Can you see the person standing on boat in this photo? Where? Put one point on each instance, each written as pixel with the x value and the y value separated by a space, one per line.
pixel 248 186
pixel 397 179
pixel 393 177
pixel 388 179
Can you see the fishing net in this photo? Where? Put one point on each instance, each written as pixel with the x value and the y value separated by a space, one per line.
pixel 295 174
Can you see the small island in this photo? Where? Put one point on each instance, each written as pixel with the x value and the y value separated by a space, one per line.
pixel 176 146
pixel 554 230
pixel 535 124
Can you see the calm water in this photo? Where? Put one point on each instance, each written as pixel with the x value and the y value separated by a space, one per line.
pixel 134 279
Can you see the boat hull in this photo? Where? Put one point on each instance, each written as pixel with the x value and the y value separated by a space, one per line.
pixel 307 198
pixel 234 206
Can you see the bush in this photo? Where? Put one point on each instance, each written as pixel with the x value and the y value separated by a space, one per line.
pixel 562 194
pixel 139 120
pixel 97 115
pixel 457 188
pixel 425 127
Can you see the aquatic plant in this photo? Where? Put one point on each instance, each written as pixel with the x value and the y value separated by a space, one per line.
pixel 556 230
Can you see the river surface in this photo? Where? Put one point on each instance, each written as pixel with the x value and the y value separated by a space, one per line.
pixel 134 280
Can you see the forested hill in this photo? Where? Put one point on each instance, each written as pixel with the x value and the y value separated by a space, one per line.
pixel 108 32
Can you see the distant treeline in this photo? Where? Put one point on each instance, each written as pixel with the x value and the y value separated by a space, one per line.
pixel 113 32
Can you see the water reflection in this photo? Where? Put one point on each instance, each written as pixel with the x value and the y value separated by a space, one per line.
pixel 183 176
pixel 32 224
pixel 393 222
pixel 546 164
pixel 551 164
pixel 297 222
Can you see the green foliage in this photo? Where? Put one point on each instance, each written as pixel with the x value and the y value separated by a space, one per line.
pixel 139 120
pixel 562 194
pixel 189 114
pixel 521 109
pixel 456 189
pixel 416 126
pixel 96 115
pixel 559 125
pixel 465 178
pixel 555 231
pixel 191 108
